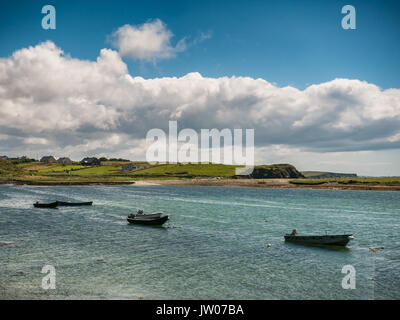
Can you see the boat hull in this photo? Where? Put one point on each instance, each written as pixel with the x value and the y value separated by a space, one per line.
pixel 331 240
pixel 52 205
pixel 74 204
pixel 150 222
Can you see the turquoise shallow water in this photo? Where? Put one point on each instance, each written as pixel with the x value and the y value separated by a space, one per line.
pixel 218 249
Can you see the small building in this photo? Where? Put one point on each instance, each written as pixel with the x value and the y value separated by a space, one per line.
pixel 48 159
pixel 4 158
pixel 64 161
pixel 90 162
pixel 129 167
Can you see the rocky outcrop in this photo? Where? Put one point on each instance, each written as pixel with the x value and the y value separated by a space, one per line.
pixel 283 171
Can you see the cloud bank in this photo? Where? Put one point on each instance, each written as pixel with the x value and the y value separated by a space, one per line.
pixel 50 102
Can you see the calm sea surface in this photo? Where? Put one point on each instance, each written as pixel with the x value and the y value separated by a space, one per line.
pixel 214 248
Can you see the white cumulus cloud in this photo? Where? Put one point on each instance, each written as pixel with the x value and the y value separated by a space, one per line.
pixel 150 41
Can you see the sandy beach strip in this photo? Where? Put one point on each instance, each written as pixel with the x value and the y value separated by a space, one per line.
pixel 146 183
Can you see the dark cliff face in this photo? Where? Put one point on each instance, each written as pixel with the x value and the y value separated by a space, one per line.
pixel 276 171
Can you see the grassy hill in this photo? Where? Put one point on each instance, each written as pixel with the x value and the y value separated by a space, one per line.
pixel 171 171
pixel 180 170
pixel 217 170
pixel 7 167
pixel 112 171
pixel 8 170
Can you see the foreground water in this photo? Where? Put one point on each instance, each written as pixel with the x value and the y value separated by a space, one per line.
pixel 215 246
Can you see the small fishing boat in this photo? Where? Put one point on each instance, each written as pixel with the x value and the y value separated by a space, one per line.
pixel 74 204
pixel 52 205
pixel 154 218
pixel 148 221
pixel 332 240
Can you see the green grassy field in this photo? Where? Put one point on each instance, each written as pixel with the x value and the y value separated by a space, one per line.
pixel 27 164
pixel 98 171
pixel 61 168
pixel 112 171
pixel 188 170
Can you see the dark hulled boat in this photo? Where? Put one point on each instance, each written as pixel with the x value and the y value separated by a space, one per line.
pixel 152 219
pixel 331 240
pixel 149 222
pixel 74 204
pixel 52 205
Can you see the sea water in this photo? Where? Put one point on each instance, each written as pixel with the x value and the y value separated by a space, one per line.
pixel 220 243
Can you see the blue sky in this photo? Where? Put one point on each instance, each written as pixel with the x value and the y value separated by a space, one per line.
pixel 286 42
pixel 318 96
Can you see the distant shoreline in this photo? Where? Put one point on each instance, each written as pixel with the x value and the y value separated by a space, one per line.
pixel 250 183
